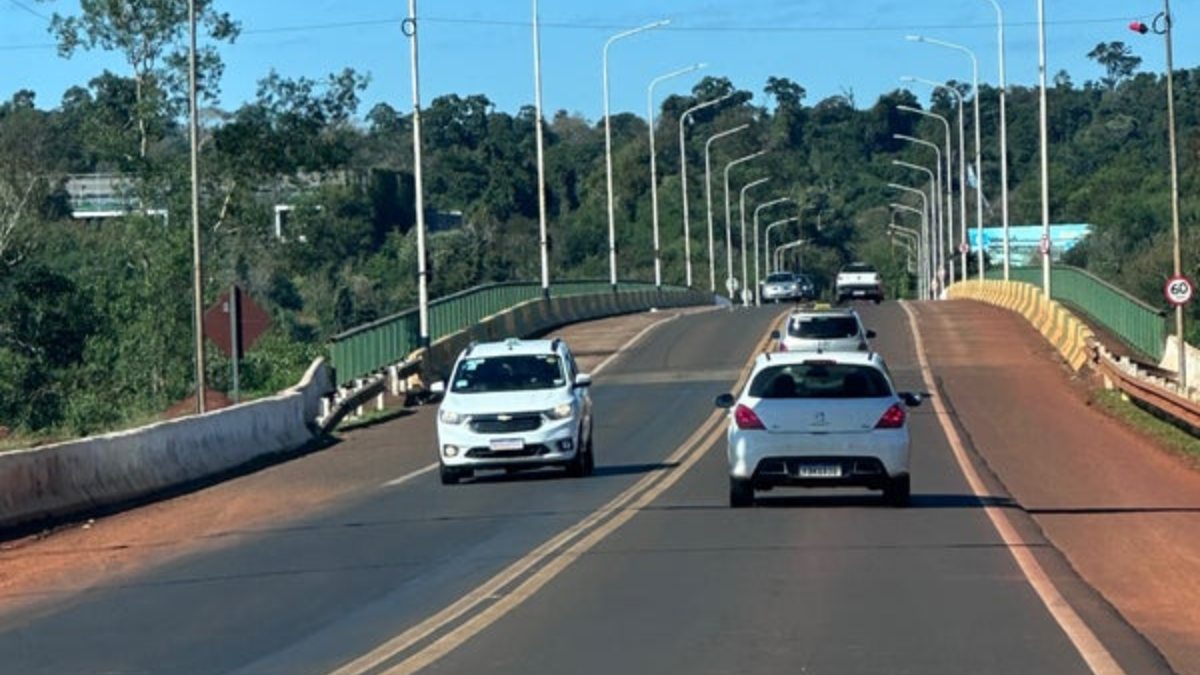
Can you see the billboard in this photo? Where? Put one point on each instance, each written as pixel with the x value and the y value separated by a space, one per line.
pixel 1024 242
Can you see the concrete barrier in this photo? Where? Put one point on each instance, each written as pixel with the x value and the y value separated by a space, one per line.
pixel 1062 329
pixel 85 475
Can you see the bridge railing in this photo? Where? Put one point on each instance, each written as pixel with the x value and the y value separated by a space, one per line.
pixel 374 346
pixel 1137 323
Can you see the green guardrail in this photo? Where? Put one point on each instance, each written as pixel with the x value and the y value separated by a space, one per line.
pixel 371 347
pixel 1139 324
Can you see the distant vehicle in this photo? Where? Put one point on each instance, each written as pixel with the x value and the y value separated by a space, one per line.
pixel 787 286
pixel 823 330
pixel 808 290
pixel 858 281
pixel 512 405
pixel 829 420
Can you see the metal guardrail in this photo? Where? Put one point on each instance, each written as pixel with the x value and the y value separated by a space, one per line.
pixel 371 347
pixel 1140 325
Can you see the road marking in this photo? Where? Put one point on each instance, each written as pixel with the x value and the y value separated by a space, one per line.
pixel 631 342
pixel 1097 657
pixel 555 555
pixel 410 475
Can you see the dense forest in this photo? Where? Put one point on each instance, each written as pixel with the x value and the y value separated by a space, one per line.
pixel 95 314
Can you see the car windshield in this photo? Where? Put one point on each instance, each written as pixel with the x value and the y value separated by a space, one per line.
pixel 823 327
pixel 779 277
pixel 820 380
pixel 859 268
pixel 508 373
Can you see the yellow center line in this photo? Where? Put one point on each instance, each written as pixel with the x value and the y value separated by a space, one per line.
pixel 649 487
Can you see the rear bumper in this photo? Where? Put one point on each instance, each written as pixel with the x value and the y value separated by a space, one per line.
pixel 869 292
pixel 867 459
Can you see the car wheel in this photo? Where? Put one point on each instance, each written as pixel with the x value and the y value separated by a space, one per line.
pixel 590 461
pixel 741 493
pixel 898 491
pixel 449 476
pixel 578 466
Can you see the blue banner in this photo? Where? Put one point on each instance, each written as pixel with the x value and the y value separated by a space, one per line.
pixel 1024 242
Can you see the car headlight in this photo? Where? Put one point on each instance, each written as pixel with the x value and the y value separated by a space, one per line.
pixel 451 417
pixel 560 412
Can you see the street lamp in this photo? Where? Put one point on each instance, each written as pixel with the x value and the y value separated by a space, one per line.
pixel 962 166
pixel 939 211
pixel 612 220
pixel 729 216
pixel 1003 134
pixel 712 269
pixel 197 258
pixel 654 163
pixel 922 252
pixel 410 29
pixel 1163 26
pixel 742 210
pixel 779 251
pixel 1044 147
pixel 683 184
pixel 767 259
pixel 758 209
pixel 543 240
pixel 978 155
pixel 928 267
pixel 943 240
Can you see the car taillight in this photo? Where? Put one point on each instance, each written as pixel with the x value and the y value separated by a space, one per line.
pixel 893 418
pixel 745 418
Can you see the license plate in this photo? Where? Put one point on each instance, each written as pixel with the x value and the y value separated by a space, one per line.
pixel 502 444
pixel 820 471
pixel 860 292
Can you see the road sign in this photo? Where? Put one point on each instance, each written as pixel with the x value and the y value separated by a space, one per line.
pixel 252 322
pixel 732 285
pixel 1044 245
pixel 964 247
pixel 1179 290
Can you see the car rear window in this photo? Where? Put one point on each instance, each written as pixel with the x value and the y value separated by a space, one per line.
pixel 859 268
pixel 779 277
pixel 508 373
pixel 820 380
pixel 823 327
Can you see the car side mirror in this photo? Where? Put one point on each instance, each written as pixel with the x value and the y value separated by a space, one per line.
pixel 911 399
pixel 725 401
pixel 583 380
pixel 774 335
pixel 870 334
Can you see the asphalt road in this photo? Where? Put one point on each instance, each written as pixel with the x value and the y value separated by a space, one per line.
pixel 639 569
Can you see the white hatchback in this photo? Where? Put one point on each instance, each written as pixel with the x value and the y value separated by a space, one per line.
pixel 818 420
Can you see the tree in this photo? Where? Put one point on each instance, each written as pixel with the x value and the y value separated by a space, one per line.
pixel 1118 61
pixel 151 35
pixel 787 94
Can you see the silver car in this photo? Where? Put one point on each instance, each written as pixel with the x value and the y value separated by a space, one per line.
pixel 781 286
pixel 823 330
pixel 829 420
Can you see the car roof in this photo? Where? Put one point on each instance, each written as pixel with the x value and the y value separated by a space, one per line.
pixel 513 347
pixel 831 311
pixel 841 357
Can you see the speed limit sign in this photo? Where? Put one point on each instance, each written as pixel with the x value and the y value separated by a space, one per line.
pixel 1044 245
pixel 1179 290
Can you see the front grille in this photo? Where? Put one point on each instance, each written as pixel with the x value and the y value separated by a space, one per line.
pixel 505 424
pixel 527 451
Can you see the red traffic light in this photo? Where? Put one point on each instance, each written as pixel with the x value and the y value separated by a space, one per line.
pixel 1139 27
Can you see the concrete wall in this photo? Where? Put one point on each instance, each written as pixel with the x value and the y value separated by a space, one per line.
pixel 78 476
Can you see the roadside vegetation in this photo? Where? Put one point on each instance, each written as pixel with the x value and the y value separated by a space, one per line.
pixel 95 315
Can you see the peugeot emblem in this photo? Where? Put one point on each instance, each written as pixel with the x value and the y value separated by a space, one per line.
pixel 504 418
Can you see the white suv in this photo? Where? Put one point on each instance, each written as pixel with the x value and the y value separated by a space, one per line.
pixel 823 330
pixel 516 404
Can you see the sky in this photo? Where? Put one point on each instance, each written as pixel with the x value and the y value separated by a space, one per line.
pixel 830 47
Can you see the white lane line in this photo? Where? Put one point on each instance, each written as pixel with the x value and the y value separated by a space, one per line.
pixel 1097 657
pixel 410 475
pixel 631 342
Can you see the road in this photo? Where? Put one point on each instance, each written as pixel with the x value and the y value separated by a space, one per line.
pixel 641 568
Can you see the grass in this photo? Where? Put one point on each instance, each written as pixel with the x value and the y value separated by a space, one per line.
pixel 1161 431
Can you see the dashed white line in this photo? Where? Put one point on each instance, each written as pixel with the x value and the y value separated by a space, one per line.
pixel 410 475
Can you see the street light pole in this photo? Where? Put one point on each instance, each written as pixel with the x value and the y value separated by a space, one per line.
pixel 742 208
pixel 962 167
pixel 946 255
pixel 767 259
pixel 654 164
pixel 787 247
pixel 683 184
pixel 729 214
pixel 978 153
pixel 712 268
pixel 1003 135
pixel 197 258
pixel 1044 142
pixel 410 29
pixel 922 249
pixel 927 271
pixel 612 220
pixel 939 208
pixel 758 209
pixel 543 240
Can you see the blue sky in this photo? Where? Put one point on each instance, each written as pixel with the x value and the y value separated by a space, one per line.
pixel 483 46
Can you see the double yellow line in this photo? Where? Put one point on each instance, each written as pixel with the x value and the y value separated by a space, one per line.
pixel 440 634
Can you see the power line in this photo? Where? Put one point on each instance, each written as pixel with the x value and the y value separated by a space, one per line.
pixel 30 10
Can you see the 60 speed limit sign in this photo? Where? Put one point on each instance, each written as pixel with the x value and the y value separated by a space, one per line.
pixel 1179 290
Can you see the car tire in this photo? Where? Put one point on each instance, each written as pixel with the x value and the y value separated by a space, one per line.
pixel 741 493
pixel 580 465
pixel 590 461
pixel 898 491
pixel 449 476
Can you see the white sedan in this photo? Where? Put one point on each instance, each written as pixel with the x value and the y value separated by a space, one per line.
pixel 818 420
